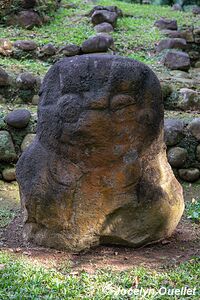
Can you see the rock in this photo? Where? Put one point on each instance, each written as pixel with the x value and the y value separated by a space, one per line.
pixel 88 180
pixel 189 99
pixel 166 90
pixel 101 16
pixel 197 64
pixel 166 24
pixel 98 43
pixel 104 27
pixel 198 153
pixel 26 81
pixel 196 10
pixel 175 43
pixel 194 128
pixel 70 50
pixel 173 131
pixel 35 100
pixel 27 141
pixel 177 7
pixel 26 19
pixel 114 9
pixel 189 175
pixel 25 45
pixel 4 78
pixel 9 174
pixel 48 50
pixel 18 118
pixel 27 4
pixel 196 31
pixel 177 60
pixel 177 156
pixel 186 34
pixel 7 149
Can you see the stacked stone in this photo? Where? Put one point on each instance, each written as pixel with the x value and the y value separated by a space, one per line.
pixel 17 131
pixel 104 19
pixel 27 13
pixel 23 88
pixel 183 148
pixel 182 45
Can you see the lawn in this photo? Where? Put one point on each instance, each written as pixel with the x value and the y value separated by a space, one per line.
pixel 135 35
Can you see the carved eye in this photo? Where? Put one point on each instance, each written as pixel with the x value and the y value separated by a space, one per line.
pixel 121 101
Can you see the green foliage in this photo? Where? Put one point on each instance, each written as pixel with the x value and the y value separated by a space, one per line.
pixel 22 280
pixel 193 210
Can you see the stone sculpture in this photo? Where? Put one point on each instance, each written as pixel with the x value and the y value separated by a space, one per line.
pixel 97 172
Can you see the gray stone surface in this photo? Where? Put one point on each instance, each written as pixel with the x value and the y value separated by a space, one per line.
pixel 9 174
pixel 25 45
pixel 166 24
pixel 98 43
pixel 194 128
pixel 4 78
pixel 177 156
pixel 26 81
pixel 18 118
pixel 173 131
pixel 177 60
pixel 189 175
pixel 27 141
pixel 104 27
pixel 171 43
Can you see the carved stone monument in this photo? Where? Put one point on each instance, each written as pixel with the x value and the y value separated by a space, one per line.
pixel 97 172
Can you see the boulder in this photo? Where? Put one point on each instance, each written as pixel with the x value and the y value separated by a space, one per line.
pixel 173 132
pixel 189 99
pixel 189 175
pixel 175 43
pixel 104 27
pixel 4 78
pixel 114 9
pixel 9 174
pixel 27 4
pixel 48 50
pixel 101 16
pixel 26 19
pixel 27 141
pixel 198 153
pixel 177 7
pixel 186 34
pixel 97 171
pixel 98 43
pixel 70 50
pixel 166 24
pixel 196 10
pixel 18 118
pixel 177 60
pixel 7 149
pixel 25 45
pixel 194 128
pixel 26 81
pixel 177 156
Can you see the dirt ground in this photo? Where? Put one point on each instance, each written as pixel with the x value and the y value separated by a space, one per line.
pixel 182 246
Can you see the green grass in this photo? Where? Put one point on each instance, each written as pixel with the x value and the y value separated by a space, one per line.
pixel 135 36
pixel 193 210
pixel 21 279
pixel 9 202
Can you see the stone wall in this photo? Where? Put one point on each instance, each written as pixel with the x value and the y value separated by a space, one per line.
pixel 18 128
pixel 26 13
pixel 183 148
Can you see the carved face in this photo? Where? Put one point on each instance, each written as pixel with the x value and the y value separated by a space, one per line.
pixel 100 112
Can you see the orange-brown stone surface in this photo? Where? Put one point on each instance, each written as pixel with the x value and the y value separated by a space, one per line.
pixel 97 171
